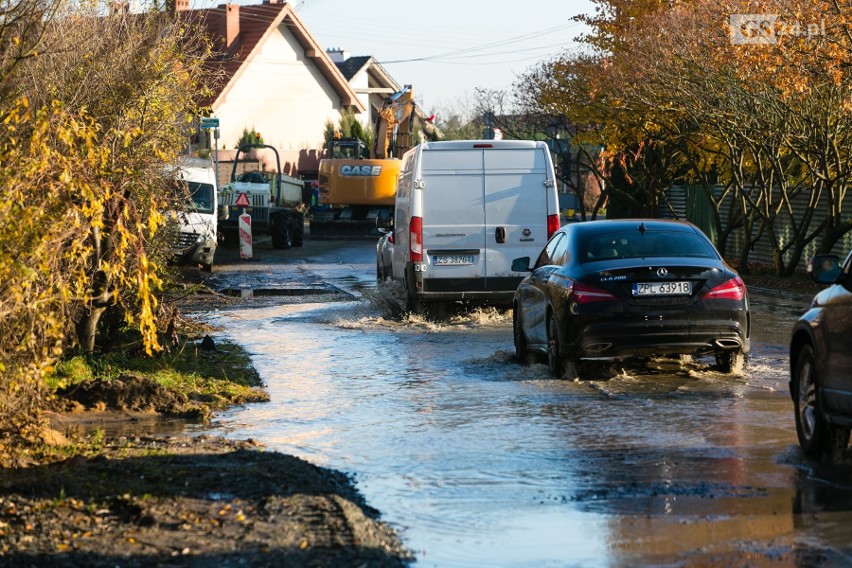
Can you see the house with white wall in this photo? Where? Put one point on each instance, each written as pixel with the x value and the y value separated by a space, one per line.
pixel 271 76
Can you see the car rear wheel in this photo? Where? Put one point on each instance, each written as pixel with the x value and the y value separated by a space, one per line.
pixel 561 366
pixel 554 358
pixel 817 437
pixel 521 351
pixel 730 361
pixel 412 304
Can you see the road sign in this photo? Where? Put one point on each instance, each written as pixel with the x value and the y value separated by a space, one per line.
pixel 209 122
pixel 242 201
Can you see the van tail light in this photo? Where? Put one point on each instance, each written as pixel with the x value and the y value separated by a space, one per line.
pixel 415 239
pixel 733 289
pixel 586 294
pixel 552 225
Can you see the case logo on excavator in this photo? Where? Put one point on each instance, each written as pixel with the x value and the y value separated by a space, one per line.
pixel 361 170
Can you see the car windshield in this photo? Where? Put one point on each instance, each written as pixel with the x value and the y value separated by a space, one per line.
pixel 199 196
pixel 635 244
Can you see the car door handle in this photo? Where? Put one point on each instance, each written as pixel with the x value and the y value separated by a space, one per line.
pixel 500 234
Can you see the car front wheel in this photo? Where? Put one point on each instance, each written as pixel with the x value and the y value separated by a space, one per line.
pixel 817 437
pixel 520 339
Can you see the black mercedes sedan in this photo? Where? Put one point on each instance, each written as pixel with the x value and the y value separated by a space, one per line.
pixel 617 289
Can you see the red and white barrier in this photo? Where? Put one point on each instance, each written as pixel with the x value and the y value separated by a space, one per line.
pixel 245 236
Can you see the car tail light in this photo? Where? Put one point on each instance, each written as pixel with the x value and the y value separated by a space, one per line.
pixel 733 289
pixel 552 225
pixel 586 294
pixel 415 239
pixel 390 238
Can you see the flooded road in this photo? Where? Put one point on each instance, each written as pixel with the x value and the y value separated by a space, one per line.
pixel 480 460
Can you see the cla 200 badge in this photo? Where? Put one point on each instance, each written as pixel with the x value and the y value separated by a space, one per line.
pixel 361 170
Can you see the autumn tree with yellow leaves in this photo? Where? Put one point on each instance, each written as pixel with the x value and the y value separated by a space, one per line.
pixel 689 92
pixel 93 104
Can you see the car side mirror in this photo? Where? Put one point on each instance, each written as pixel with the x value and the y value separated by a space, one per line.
pixel 824 268
pixel 521 264
pixel 384 222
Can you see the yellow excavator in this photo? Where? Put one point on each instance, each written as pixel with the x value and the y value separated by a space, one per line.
pixel 359 184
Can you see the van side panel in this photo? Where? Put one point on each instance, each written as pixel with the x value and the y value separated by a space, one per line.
pixel 403 210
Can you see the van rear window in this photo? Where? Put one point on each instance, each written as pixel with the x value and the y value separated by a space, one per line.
pixel 452 161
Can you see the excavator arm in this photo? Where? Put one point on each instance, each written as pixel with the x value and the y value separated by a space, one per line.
pixel 394 125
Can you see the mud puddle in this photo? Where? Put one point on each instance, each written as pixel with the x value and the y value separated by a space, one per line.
pixel 481 460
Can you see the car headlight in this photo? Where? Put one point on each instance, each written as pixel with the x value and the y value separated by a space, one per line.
pixel 199 239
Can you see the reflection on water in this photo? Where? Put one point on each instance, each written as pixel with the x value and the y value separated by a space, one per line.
pixel 483 461
pixel 112 425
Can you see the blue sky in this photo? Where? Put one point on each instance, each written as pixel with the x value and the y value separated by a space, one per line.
pixel 447 48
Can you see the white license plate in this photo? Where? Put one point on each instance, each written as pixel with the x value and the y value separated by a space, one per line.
pixel 662 288
pixel 453 259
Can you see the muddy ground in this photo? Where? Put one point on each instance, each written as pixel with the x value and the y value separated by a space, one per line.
pixel 179 501
pixel 188 502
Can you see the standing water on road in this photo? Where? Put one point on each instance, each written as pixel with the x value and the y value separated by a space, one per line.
pixel 479 460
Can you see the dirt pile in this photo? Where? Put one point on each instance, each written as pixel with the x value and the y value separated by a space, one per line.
pixel 188 502
pixel 128 393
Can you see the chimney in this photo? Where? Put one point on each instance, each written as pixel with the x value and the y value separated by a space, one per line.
pixel 173 6
pixel 337 54
pixel 230 24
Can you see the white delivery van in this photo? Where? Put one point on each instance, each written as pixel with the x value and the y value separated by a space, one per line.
pixel 464 210
pixel 197 228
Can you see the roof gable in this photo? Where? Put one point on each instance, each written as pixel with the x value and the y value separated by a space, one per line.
pixel 353 66
pixel 247 28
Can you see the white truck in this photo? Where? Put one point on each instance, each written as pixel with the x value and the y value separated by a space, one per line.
pixel 271 199
pixel 196 222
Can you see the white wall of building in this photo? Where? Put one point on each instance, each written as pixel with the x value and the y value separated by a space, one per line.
pixel 282 95
pixel 360 83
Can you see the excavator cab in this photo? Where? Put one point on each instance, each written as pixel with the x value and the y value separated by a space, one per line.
pixel 348 149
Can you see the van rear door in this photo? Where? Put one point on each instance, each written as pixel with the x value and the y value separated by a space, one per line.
pixel 454 216
pixel 516 186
